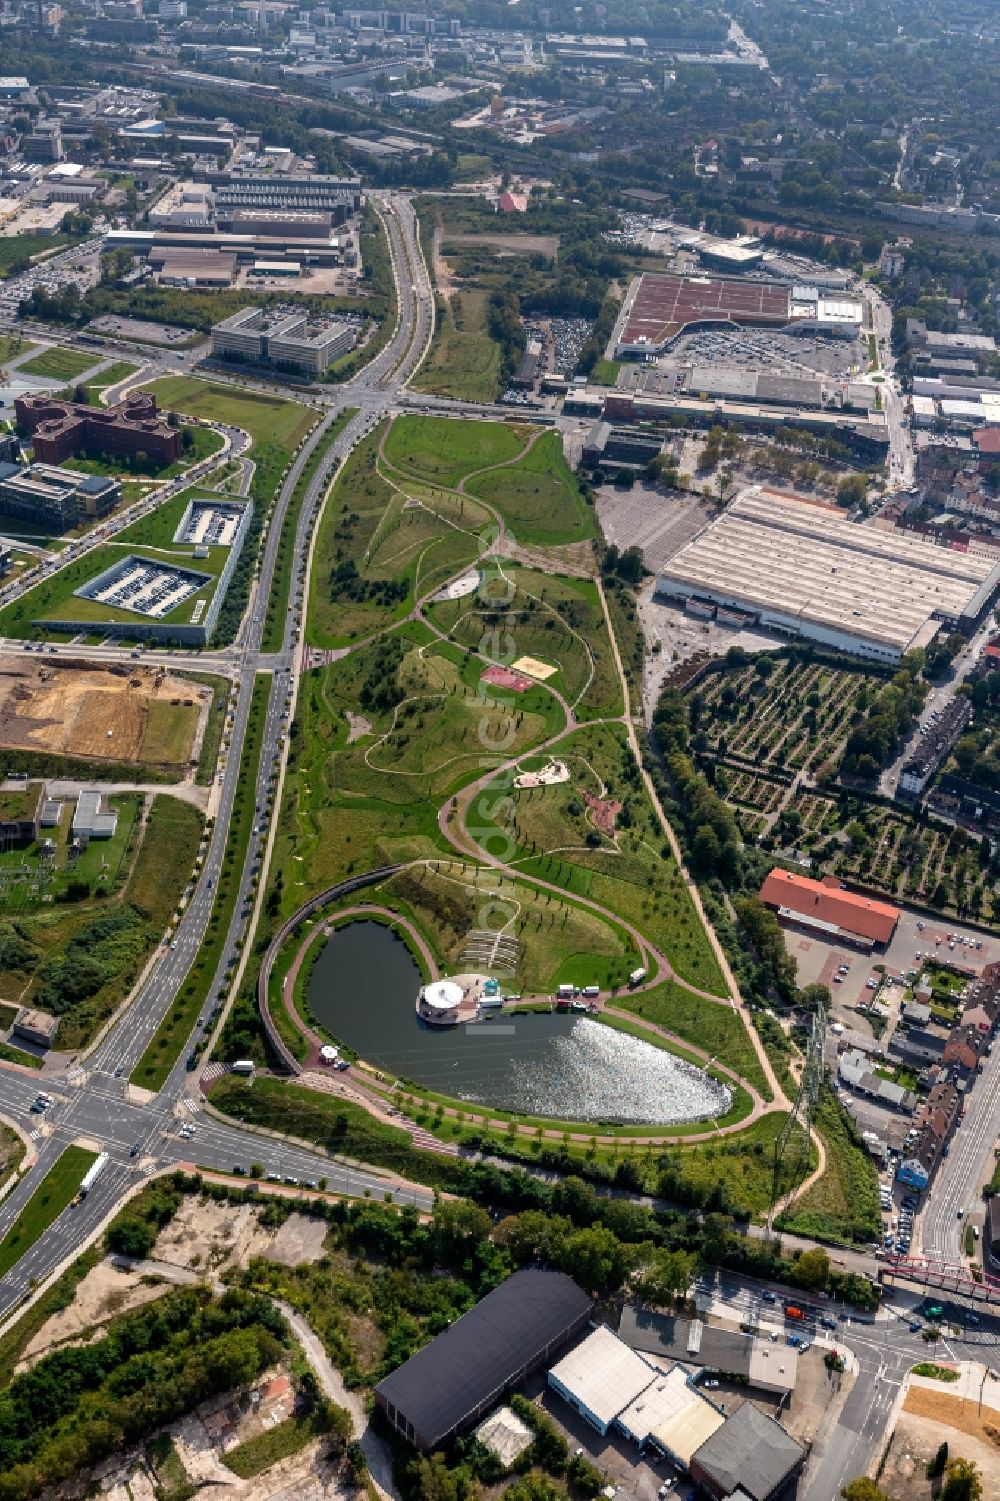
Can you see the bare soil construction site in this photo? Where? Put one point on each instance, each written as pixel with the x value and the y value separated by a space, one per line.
pixel 123 712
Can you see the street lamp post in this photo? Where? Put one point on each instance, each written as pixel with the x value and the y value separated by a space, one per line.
pixel 986 1372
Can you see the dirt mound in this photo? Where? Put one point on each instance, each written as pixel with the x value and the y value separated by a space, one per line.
pixel 603 812
pixel 114 713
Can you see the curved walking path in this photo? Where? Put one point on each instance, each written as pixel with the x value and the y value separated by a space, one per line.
pixel 737 1001
pixel 376 1094
pixel 452 817
pixel 321 930
pixel 451 822
pixel 376 1450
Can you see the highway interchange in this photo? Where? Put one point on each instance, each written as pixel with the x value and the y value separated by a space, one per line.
pixel 93 1099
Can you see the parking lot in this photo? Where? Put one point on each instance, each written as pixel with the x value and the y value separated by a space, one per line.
pixel 754 349
pixel 817 960
pixel 639 1476
pixel 900 1206
pixel 681 636
pixel 79 266
pixel 643 517
pixel 643 1476
pixel 138 328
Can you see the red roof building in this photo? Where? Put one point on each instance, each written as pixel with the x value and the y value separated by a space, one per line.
pixel 60 430
pixel 986 442
pixel 513 203
pixel 828 904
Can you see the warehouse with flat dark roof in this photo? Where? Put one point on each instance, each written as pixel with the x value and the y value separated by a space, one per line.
pixel 452 1382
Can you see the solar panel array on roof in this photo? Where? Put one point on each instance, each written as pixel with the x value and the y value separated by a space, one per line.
pixel 451 1382
pixel 661 305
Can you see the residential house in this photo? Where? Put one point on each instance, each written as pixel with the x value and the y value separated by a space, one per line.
pixel 917 1046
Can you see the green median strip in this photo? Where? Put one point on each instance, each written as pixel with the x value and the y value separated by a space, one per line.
pixel 154 1066
pixel 17 1055
pixel 58 1188
pixel 277 605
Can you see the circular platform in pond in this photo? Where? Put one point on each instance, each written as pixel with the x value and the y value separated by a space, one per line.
pixel 440 1002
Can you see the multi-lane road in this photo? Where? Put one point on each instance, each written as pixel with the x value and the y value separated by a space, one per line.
pixel 884 1348
pixel 956 1187
pixel 93 1101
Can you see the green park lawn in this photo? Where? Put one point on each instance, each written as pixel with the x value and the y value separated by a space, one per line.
pixel 556 619
pixel 443 451
pixel 57 1189
pixel 605 373
pixel 537 496
pixel 559 942
pixel 406 521
pixel 60 364
pixel 119 371
pixel 12 345
pixel 379 545
pixel 353 806
pixel 266 418
pixel 471 167
pixel 630 872
pixel 710 1025
pixel 464 362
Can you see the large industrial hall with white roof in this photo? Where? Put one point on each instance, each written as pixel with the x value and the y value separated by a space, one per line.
pixel 805 570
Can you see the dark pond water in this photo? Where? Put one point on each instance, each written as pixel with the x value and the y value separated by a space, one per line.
pixel 363 989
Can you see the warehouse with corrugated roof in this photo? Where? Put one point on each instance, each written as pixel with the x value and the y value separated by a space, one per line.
pixel 452 1382
pixel 805 570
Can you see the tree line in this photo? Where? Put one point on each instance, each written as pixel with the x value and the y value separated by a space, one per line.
pixel 81 1403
